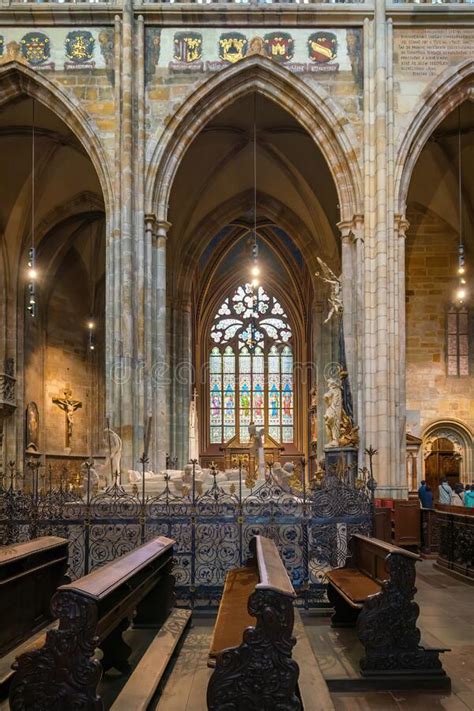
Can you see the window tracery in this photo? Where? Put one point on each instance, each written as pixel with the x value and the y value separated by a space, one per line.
pixel 251 368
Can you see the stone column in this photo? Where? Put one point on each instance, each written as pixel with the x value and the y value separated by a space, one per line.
pixel 382 417
pixel 352 296
pixel 127 316
pixel 401 226
pixel 161 375
pixel 185 384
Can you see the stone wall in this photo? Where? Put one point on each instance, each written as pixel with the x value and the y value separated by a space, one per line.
pixel 431 260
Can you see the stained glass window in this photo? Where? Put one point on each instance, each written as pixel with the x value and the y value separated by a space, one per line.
pixel 251 368
pixel 457 335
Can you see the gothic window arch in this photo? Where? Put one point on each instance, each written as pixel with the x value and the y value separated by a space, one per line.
pixel 457 337
pixel 250 367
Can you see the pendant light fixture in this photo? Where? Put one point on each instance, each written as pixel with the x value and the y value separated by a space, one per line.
pixel 32 273
pixel 461 292
pixel 255 269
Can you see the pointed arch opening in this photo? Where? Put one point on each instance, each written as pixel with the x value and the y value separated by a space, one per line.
pixel 439 327
pixel 54 350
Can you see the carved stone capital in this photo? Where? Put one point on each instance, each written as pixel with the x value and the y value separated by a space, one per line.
pixel 352 230
pixel 162 228
pixel 150 221
pixel 401 225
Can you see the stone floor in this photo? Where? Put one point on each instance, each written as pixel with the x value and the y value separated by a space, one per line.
pixel 447 620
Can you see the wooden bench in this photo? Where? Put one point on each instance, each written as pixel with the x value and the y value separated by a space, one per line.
pixel 63 673
pixel 375 592
pixel 253 660
pixel 29 576
pixel 405 521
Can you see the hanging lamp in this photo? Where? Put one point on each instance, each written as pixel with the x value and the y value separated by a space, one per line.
pixel 32 273
pixel 461 292
pixel 255 269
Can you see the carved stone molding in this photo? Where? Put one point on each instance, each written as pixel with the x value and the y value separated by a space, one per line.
pixel 7 388
pixel 453 437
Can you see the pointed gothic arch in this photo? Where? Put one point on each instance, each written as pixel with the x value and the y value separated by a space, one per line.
pixel 229 211
pixel 440 98
pixel 312 107
pixel 461 439
pixel 19 80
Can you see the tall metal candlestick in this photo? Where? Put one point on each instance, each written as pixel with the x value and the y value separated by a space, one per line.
pixel 147 437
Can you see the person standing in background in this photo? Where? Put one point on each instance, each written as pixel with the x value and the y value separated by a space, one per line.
pixel 425 495
pixel 469 497
pixel 445 492
pixel 457 497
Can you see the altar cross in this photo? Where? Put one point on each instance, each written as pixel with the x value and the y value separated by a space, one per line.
pixel 69 407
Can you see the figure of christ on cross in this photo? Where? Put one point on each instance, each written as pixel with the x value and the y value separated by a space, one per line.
pixel 69 407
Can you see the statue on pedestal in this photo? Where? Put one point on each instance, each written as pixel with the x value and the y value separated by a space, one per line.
pixel 333 414
pixel 256 447
pixel 111 467
pixel 32 427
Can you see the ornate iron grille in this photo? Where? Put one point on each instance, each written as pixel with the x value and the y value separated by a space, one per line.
pixel 212 530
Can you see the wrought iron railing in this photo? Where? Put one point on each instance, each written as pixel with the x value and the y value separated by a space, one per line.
pixel 212 529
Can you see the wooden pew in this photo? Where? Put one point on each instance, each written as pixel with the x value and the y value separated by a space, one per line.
pixel 93 612
pixel 375 592
pixel 253 661
pixel 405 521
pixel 29 576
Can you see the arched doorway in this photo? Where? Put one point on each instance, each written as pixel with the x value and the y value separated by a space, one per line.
pixel 443 461
pixel 447 452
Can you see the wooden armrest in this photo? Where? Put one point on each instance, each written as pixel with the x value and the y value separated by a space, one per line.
pixel 387 547
pixel 271 571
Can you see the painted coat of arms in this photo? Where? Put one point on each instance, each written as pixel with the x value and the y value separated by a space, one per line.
pixel 1 45
pixel 187 47
pixel 35 48
pixel 279 46
pixel 232 46
pixel 79 46
pixel 322 47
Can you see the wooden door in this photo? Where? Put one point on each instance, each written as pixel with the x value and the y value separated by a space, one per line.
pixel 442 462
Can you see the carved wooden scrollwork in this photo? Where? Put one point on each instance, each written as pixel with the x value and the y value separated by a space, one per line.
pixel 387 625
pixel 260 674
pixel 62 673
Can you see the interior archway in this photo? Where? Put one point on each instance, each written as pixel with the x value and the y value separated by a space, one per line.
pixel 54 349
pixel 311 107
pixel 208 258
pixel 439 352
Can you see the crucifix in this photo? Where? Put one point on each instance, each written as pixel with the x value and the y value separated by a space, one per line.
pixel 69 407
